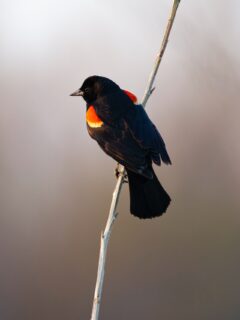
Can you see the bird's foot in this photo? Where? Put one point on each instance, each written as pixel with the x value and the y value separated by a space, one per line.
pixel 119 172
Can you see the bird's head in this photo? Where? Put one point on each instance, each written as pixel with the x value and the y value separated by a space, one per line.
pixel 95 87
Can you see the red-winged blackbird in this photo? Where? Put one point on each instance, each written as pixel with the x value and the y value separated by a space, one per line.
pixel 124 131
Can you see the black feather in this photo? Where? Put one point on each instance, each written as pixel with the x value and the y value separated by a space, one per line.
pixel 145 132
pixel 148 199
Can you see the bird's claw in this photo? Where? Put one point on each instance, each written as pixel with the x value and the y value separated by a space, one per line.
pixel 118 172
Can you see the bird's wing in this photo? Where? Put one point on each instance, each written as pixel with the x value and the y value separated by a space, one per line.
pixel 118 143
pixel 146 134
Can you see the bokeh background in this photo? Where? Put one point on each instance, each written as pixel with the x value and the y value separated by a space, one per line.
pixel 56 184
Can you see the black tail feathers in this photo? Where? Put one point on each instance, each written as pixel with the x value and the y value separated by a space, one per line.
pixel 148 199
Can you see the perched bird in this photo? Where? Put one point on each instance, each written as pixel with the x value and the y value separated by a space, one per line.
pixel 124 131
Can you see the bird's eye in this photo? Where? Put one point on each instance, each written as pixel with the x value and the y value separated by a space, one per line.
pixel 86 90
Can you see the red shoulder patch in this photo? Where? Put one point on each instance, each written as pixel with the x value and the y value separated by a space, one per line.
pixel 92 118
pixel 131 96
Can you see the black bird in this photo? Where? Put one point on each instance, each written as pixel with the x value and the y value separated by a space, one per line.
pixel 124 131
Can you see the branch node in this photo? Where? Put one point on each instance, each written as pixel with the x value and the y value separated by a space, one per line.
pixel 151 91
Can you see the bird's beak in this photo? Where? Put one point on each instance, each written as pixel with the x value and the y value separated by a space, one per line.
pixel 76 93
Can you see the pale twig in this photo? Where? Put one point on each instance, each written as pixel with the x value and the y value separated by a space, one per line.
pixel 121 171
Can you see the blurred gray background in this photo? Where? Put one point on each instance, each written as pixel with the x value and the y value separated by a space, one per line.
pixel 56 184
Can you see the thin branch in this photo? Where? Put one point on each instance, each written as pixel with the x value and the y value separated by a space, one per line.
pixel 104 243
pixel 115 198
pixel 148 90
